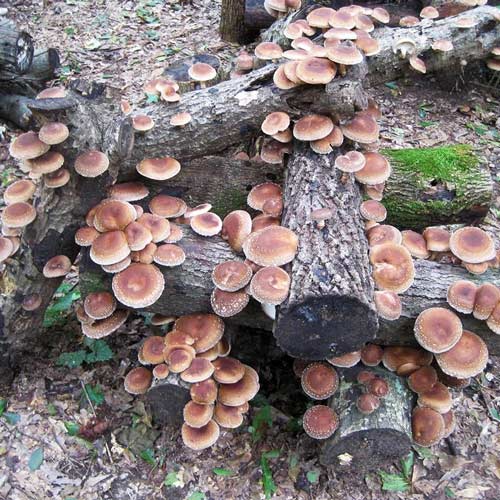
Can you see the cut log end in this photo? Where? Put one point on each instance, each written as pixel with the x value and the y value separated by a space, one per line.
pixel 166 402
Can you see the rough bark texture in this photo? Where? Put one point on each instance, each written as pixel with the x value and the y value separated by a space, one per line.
pixel 232 18
pixel 16 48
pixel 330 309
pixel 365 443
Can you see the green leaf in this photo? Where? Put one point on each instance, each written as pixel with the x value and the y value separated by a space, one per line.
pixel 391 85
pixel 95 394
pixel 271 454
pixel 100 352
pixel 196 495
pixel 427 123
pixel 71 359
pixel 148 456
pixel 72 428
pixel 152 98
pixel 3 406
pixel 495 415
pixel 423 453
pixel 449 492
pixel 268 483
pixel 262 419
pixel 393 482
pixel 407 465
pixel 172 479
pixel 36 459
pixel 51 409
pixel 220 471
pixel 313 476
pixel 11 418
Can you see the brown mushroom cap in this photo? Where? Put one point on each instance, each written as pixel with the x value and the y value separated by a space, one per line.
pixel 362 128
pixel 99 305
pixel 476 269
pixel 159 169
pixel 281 81
pixel 487 297
pixel 438 398
pixel 449 423
pixel 53 133
pixel 200 438
pixel 409 21
pixel 232 275
pixel 268 50
pixel 262 193
pixel 152 350
pixel 423 379
pixel 345 53
pixel 418 64
pixel 199 370
pixel 242 391
pixel 415 243
pixel 352 161
pixel 375 170
pixel 139 285
pixel 128 191
pixel 206 329
pixel 384 233
pixel 158 226
pixel 393 268
pixel 228 370
pixel 373 210
pixel 467 358
pixel 19 191
pixel 105 327
pixel 388 304
pixel 262 221
pixel 52 93
pixel 167 206
pixel 367 403
pixel 31 302
pixel 227 304
pixel 197 415
pixel 371 354
pixel 395 356
pixel 169 255
pixel 202 72
pixel 198 210
pixel 179 358
pixel 320 17
pixel 270 285
pixel 57 179
pixel 316 70
pixel 137 236
pixel 346 360
pixel 180 119
pixel 113 215
pixel 275 122
pixel 57 266
pixel 142 123
pixel 109 248
pixel 230 417
pixel 462 295
pixel 427 426
pixel 118 266
pixel 342 19
pixel 437 329
pixel 429 12
pixel 472 245
pixel 320 422
pixel 46 164
pixel 236 226
pixel 312 127
pixel 27 146
pixel 271 246
pixel 175 235
pixel 204 392
pixel 319 381
pixel 437 239
pixel 207 224
pixel 91 164
pixel 6 248
pixel 378 387
pixel 138 380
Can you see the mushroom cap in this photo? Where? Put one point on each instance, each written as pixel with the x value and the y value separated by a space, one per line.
pixel 200 438
pixel 198 210
pixel 437 239
pixel 325 146
pixel 423 379
pixel 53 133
pixel 104 327
pixel 347 360
pixel 57 179
pixel 438 398
pixel 437 329
pixel 319 381
pixel 204 392
pixel 472 245
pixel 275 122
pixel 342 19
pixel 493 64
pixel 418 64
pixel 206 329
pixel 242 391
pixel 384 234
pixel 345 53
pixel 361 128
pixel 232 275
pixel 449 423
pixel 142 123
pixel 228 370
pixel 375 170
pixel 118 266
pixel 180 119
pixel 236 226
pixel 138 236
pixel 262 193
pixel 316 70
pixel 19 191
pixel 262 221
pixel 442 45
pixel 175 235
pixel 196 415
pixel 179 358
pixel 109 248
pixel 159 169
pixel 427 426
pixel 461 296
pixel 373 210
pixel 270 285
pixel 91 164
pixel 199 370
pixel 202 72
pixel 18 214
pixel 381 15
pixel 6 248
pixel 393 268
pixel 207 224
pixel 128 191
pixel 99 305
pixel 320 422
pixel 281 81
pixel 350 162
pixel 160 320
pixel 31 302
pixel 367 403
pixel 320 17
pixel 370 46
pixel 429 12
pixel 271 246
pixel 138 380
pixel 85 236
pixel 415 243
pixel 167 206
pixel 378 387
pixel 340 34
pixel 227 304
pixel 477 269
pixel 371 354
pixel 409 21
pixel 157 226
pixel 268 50
pixel 152 350
pixel 229 417
pixel 395 356
pixel 312 127
pixel 388 304
pixel 169 255
pixel 46 164
pixel 467 358
pixel 27 146
pixel 487 297
pixel 52 93
pixel 113 215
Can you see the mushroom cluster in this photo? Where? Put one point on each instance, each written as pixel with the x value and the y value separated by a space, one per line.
pixel 493 62
pixel 196 353
pixel 375 388
pixel 483 301
pixel 279 8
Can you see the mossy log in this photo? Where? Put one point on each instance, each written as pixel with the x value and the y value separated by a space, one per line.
pixel 364 443
pixel 16 48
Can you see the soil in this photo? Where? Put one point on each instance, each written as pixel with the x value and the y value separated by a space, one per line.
pixel 124 43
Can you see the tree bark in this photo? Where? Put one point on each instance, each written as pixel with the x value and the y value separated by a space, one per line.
pixel 365 443
pixel 16 52
pixel 232 19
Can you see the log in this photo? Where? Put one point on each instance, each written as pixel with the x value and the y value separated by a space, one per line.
pixel 16 48
pixel 14 108
pixel 331 291
pixel 364 443
pixel 231 27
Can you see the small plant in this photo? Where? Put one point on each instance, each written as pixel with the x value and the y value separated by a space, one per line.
pixel 10 417
pixel 96 350
pixel 65 295
pixel 268 484
pixel 94 394
pixel 262 420
pixel 400 481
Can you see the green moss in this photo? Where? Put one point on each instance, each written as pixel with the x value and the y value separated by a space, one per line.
pixel 229 200
pixel 93 282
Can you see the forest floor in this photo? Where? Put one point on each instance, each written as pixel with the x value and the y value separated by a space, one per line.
pixel 74 433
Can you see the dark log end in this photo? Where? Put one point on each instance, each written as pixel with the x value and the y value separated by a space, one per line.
pixel 322 327
pixel 166 402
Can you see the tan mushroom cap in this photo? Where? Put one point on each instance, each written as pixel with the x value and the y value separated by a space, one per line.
pixel 461 296
pixel 409 21
pixel 85 236
pixel 427 426
pixel 273 207
pixel 268 51
pixel 347 360
pixel 373 210
pixel 271 246
pixel 18 214
pixel 319 381
pixel 449 423
pixel 493 64
pixel 138 380
pixel 320 422
pixel 196 415
pixel 109 248
pixel 6 248
pixel 175 235
pixel 423 379
pixel 396 356
pixel 179 358
pixel 128 191
pixel 429 12
pixel 477 269
pixel 53 133
pixel 91 164
pixel 31 302
pixel 370 46
pixel 242 391
pixel 167 206
pixel 104 327
pixel 199 370
pixel 169 255
pixel 19 191
pixel 202 72
pixel 275 122
pixel 273 151
pixel 180 119
pixel 437 329
pixel 340 34
pixel 285 136
pixel 227 304
pixel 118 266
pixel 262 221
pixel 486 298
pixel 378 386
pixel 47 163
pixel 207 224
pixel 57 179
pixel 418 64
pixel 388 304
pixel 493 321
pixel 159 169
pixel 345 53
pixel 281 81
pixel 342 19
pixel 52 93
pixel 99 305
pixel 230 417
pixel 320 17
pixel 437 239
pixel 375 192
pixel 302 43
pixel 236 226
pixel 161 371
pixel 362 128
pixel 206 329
pixel 467 358
pixel 232 275
pixel 383 234
pixel 438 398
pixel 152 350
pixel 204 392
pixel 198 210
pixel 228 370
pixel 442 45
pixel 261 193
pixel 157 226
pixel 472 245
pixel 113 215
pixel 371 354
pixel 381 15
pixel 202 437
pixel 393 267
pixel 415 243
pixel 27 146
pixel 333 140
pixel 352 161
pixel 312 127
pixel 270 285
pixel 142 123
pixel 367 403
pixel 316 70
pixel 138 236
